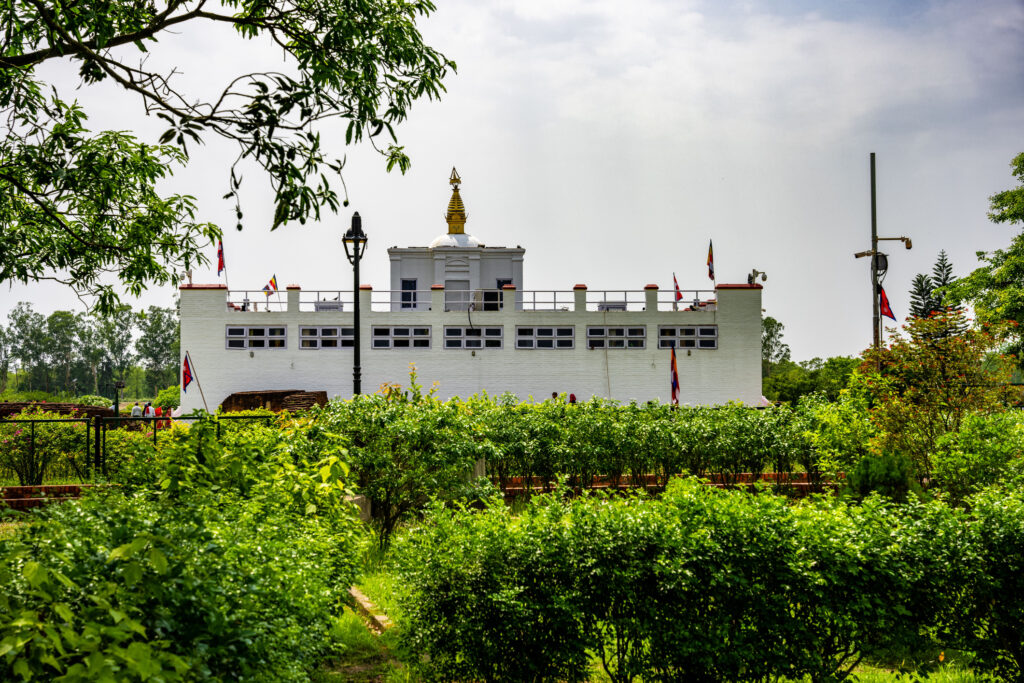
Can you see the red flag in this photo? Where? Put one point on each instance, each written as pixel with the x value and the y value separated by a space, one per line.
pixel 884 303
pixel 186 374
pixel 679 295
pixel 674 379
pixel 711 262
pixel 220 257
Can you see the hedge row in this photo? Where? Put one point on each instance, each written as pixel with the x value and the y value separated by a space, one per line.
pixel 711 585
pixel 212 561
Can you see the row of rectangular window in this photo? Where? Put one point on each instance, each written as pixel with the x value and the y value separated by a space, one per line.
pixel 527 337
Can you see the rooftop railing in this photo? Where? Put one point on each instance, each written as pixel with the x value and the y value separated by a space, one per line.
pixel 478 300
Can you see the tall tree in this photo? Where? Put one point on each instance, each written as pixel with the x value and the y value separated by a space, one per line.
pixel 5 358
pixel 773 349
pixel 997 288
pixel 27 330
pixel 91 349
pixel 61 348
pixel 927 291
pixel 75 204
pixel 115 334
pixel 157 346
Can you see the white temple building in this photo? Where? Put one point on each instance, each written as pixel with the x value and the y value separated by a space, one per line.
pixel 460 311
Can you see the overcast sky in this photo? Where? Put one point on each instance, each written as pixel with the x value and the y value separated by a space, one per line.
pixel 612 140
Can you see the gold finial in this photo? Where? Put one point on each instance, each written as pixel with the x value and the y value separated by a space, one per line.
pixel 456 215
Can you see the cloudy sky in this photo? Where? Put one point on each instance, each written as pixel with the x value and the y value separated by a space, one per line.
pixel 612 140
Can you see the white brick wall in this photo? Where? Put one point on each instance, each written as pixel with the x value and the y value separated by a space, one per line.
pixel 730 372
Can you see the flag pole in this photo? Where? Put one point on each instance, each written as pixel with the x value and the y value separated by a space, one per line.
pixel 192 366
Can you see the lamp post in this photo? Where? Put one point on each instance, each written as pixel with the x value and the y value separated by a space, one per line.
pixel 355 246
pixel 879 266
pixel 118 386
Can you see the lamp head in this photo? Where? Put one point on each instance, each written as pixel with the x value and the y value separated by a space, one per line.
pixel 355 239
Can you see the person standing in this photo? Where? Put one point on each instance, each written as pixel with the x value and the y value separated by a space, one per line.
pixel 136 410
pixel 149 412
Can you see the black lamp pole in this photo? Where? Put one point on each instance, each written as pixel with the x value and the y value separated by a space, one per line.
pixel 355 245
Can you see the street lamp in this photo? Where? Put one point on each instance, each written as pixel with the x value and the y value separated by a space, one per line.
pixel 118 386
pixel 879 266
pixel 355 246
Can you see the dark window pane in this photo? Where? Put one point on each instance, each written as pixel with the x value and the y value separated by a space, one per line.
pixel 236 343
pixel 400 332
pixel 616 332
pixel 381 332
pixel 708 332
pixel 525 331
pixel 236 331
pixel 474 343
pixel 309 343
pixel 493 343
pixel 565 331
pixel 565 343
pixel 453 331
pixel 329 332
pixel 668 343
pixel 421 331
pixel 545 332
pixel 308 331
pixel 545 343
pixel 637 331
pixel 256 331
pixel 473 331
pixel 524 344
pixel 381 343
pixel 421 343
pixel 596 343
pixel 276 331
pixel 616 343
pixel 668 332
pixel 400 343
pixel 348 331
pixel 348 342
pixel 493 331
pixel 453 343
pixel 256 343
pixel 708 343
pixel 687 331
pixel 329 343
pixel 595 332
pixel 686 344
pixel 636 343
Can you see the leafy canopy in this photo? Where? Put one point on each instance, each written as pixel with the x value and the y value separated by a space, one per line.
pixel 997 288
pixel 78 205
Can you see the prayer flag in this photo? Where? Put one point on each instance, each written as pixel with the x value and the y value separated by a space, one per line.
pixel 186 374
pixel 220 257
pixel 271 286
pixel 674 379
pixel 679 295
pixel 711 262
pixel 884 305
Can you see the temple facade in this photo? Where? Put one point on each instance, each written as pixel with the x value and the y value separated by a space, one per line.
pixel 458 309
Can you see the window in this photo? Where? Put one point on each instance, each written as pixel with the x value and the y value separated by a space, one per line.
pixel 457 295
pixel 409 293
pixel 545 337
pixel 266 337
pixel 600 337
pixel 400 337
pixel 326 337
pixel 689 337
pixel 492 298
pixel 473 337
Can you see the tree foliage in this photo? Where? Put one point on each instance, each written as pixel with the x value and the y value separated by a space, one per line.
pixel 773 349
pixel 76 205
pixel 996 289
pixel 930 381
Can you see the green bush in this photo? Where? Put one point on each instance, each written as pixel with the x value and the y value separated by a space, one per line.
pixel 234 567
pixel 34 452
pixel 93 400
pixel 979 454
pixel 169 397
pixel 698 585
pixel 888 474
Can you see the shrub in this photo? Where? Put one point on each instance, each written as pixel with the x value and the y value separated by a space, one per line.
pixel 979 454
pixel 37 451
pixel 169 397
pixel 93 400
pixel 889 475
pixel 234 567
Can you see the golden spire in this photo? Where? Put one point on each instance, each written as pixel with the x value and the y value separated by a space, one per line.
pixel 456 215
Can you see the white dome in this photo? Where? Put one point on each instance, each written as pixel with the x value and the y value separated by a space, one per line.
pixel 455 240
